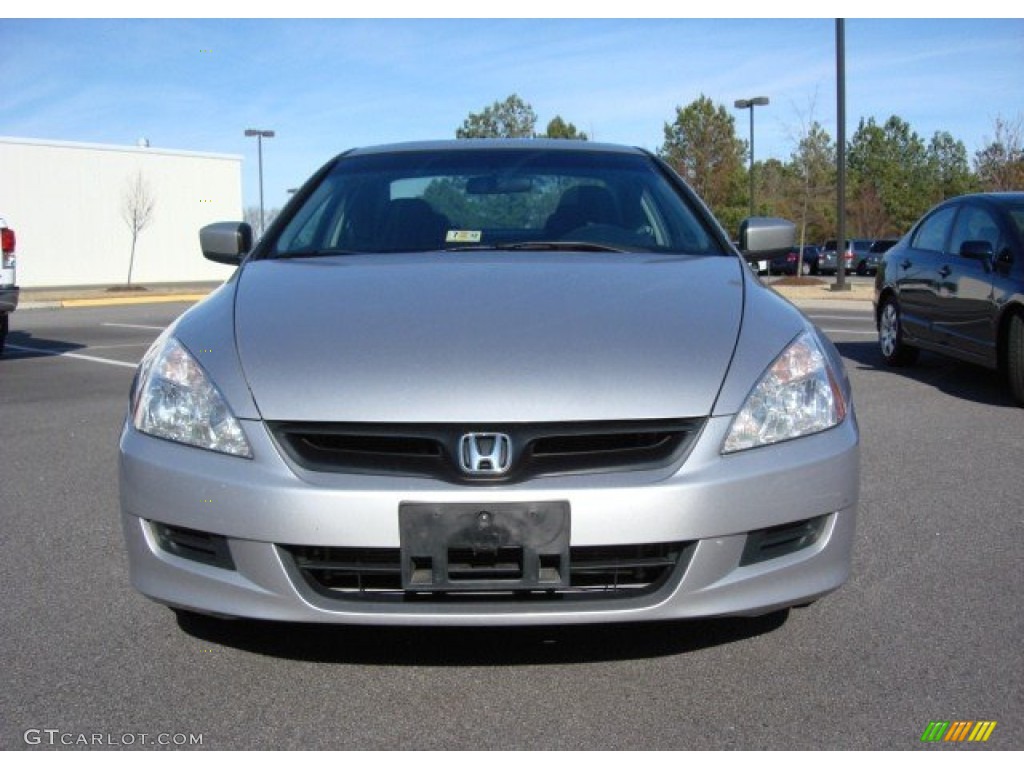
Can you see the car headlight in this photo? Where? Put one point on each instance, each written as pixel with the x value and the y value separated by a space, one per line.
pixel 798 395
pixel 174 399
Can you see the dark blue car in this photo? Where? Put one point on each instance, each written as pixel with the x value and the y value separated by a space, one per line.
pixel 789 263
pixel 955 285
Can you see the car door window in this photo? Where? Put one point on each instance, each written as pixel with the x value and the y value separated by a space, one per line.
pixel 1017 219
pixel 974 223
pixel 931 235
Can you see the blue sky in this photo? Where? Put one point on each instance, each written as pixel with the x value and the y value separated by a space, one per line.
pixel 326 85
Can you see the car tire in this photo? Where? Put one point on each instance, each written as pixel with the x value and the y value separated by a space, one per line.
pixel 4 324
pixel 895 351
pixel 1015 357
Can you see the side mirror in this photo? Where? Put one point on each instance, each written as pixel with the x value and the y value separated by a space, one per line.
pixel 762 238
pixel 977 249
pixel 226 242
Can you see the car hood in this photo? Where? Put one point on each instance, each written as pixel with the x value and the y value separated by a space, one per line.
pixel 487 337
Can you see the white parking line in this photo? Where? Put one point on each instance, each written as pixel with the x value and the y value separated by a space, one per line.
pixel 856 317
pixel 855 333
pixel 120 346
pixel 75 355
pixel 130 325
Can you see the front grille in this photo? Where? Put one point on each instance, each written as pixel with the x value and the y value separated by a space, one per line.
pixel 375 574
pixel 538 450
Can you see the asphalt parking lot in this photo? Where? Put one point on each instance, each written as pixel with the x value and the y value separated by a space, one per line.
pixel 928 628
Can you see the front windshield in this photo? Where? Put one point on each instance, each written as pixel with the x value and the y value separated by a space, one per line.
pixel 433 200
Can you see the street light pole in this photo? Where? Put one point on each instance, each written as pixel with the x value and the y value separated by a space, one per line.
pixel 841 284
pixel 757 101
pixel 260 135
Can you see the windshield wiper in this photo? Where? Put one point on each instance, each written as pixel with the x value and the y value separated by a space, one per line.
pixel 308 253
pixel 561 245
pixel 543 245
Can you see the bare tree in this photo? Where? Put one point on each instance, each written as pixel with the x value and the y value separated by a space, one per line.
pixel 814 163
pixel 137 210
pixel 1000 164
pixel 251 216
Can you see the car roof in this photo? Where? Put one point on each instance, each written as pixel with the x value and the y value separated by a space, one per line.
pixel 471 145
pixel 992 197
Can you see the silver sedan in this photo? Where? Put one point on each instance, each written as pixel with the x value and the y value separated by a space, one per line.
pixel 476 382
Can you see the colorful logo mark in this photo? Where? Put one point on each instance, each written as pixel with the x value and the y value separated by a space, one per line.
pixel 958 730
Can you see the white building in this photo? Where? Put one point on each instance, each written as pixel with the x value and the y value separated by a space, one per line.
pixel 64 200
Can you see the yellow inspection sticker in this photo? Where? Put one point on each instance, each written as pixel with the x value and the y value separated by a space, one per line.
pixel 463 236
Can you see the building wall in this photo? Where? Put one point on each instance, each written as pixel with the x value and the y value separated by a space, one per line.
pixel 64 201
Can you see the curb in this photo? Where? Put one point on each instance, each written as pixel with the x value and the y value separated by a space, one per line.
pixel 113 302
pixel 850 305
pixel 801 298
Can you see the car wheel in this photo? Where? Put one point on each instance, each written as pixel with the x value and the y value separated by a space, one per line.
pixel 890 335
pixel 1015 358
pixel 4 323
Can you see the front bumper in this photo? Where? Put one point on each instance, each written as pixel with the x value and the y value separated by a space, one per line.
pixel 9 298
pixel 263 509
pixel 828 264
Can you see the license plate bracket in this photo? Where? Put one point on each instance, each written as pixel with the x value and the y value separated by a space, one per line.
pixel 480 547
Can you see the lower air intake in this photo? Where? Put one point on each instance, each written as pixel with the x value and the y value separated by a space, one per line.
pixel 199 546
pixel 375 574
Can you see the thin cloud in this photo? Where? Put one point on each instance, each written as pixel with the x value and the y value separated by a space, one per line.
pixel 328 84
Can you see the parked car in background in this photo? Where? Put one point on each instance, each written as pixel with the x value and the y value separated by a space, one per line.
pixel 955 285
pixel 859 249
pixel 868 265
pixel 828 263
pixel 8 279
pixel 789 263
pixel 490 382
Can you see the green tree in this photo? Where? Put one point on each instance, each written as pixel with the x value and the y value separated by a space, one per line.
pixel 889 174
pixel 512 118
pixel 775 188
pixel 950 172
pixel 999 165
pixel 559 129
pixel 701 145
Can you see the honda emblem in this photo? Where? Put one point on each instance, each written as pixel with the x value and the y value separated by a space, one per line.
pixel 485 453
